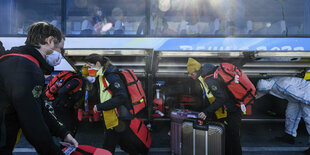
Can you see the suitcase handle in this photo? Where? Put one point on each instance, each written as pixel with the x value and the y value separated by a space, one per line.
pixel 200 125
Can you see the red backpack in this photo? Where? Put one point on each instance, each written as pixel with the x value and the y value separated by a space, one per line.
pixel 58 81
pixel 85 150
pixel 141 131
pixel 239 85
pixel 135 90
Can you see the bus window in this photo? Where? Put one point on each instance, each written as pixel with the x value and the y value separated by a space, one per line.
pixel 165 18
pixel 16 16
pixel 104 17
pixel 275 17
pixel 228 17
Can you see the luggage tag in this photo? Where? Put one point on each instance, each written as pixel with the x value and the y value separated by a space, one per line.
pixel 69 148
pixel 243 108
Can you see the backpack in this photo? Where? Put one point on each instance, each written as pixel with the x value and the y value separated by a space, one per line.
pixel 135 90
pixel 58 81
pixel 138 101
pixel 85 150
pixel 238 84
pixel 140 130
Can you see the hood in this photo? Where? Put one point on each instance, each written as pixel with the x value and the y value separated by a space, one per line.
pixel 111 69
pixel 32 50
pixel 207 69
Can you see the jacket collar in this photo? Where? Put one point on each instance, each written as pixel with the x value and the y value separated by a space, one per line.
pixel 105 71
pixel 32 50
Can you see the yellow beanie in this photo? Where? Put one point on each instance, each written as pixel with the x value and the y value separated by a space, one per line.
pixel 193 65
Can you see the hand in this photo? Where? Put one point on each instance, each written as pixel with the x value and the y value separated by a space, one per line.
pixel 95 109
pixel 202 115
pixel 71 140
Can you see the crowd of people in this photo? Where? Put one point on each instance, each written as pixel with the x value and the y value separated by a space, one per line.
pixel 26 101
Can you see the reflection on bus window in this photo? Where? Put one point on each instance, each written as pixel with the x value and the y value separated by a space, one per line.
pixel 158 23
pixel 105 17
pixel 16 16
pixel 234 17
pixel 255 18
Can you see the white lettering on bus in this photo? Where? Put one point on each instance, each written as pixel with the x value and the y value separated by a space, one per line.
pixel 260 48
pixel 288 48
pixel 299 48
pixel 186 47
pixel 275 49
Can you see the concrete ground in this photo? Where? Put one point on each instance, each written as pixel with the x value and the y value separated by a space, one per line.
pixel 257 138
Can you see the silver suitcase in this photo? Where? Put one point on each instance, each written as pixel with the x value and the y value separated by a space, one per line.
pixel 203 139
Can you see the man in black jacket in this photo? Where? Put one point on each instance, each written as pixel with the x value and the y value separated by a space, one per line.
pixel 21 84
pixel 223 97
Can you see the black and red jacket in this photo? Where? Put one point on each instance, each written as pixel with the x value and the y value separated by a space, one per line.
pixel 221 93
pixel 21 87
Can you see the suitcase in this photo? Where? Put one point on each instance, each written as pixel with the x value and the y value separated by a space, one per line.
pixel 191 138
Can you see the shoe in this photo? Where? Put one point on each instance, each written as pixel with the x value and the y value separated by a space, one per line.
pixel 307 152
pixel 286 138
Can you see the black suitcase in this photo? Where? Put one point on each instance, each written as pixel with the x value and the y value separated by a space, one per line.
pixel 188 137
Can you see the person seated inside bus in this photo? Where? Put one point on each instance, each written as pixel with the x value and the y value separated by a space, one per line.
pixel 158 23
pixel 99 20
pixel 188 26
pixel 86 27
pixel 118 24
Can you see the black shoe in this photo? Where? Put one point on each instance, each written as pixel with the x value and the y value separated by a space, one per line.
pixel 307 152
pixel 286 138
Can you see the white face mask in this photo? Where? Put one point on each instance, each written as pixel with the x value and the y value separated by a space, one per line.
pixel 54 59
pixel 99 13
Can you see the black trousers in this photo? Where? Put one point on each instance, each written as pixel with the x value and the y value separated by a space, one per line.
pixel 232 141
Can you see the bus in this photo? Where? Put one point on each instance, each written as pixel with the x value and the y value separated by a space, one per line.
pixel 156 37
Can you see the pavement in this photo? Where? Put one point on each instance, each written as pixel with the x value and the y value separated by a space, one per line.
pixel 258 133
pixel 257 138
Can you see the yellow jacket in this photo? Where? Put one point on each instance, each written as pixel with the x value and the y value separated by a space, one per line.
pixel 110 117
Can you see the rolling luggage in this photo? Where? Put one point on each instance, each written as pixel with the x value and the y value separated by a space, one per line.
pixel 191 138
